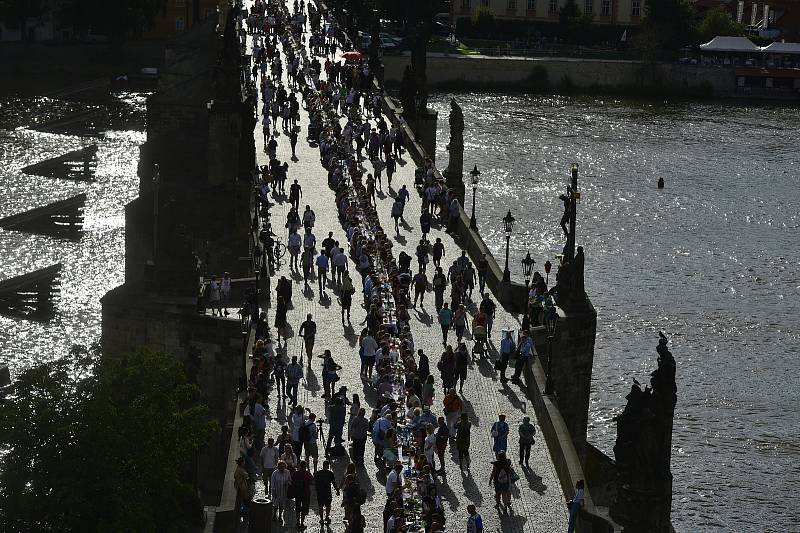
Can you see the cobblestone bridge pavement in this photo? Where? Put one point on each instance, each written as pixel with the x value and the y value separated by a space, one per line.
pixel 538 501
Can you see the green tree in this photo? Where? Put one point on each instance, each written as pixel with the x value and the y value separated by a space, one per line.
pixel 483 20
pixel 668 25
pixel 101 444
pixel 718 22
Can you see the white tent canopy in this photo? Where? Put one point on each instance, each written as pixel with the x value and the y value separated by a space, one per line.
pixel 782 48
pixel 729 44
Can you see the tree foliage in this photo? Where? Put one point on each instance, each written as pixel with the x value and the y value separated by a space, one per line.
pixel 668 25
pixel 718 22
pixel 101 445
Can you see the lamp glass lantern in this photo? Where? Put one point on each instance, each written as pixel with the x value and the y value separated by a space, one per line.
pixel 527 267
pixel 475 173
pixel 508 224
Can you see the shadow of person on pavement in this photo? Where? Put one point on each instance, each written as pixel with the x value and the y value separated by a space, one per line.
pixel 513 398
pixel 312 383
pixel 470 410
pixel 350 335
pixel 424 317
pixel 471 490
pixel 535 482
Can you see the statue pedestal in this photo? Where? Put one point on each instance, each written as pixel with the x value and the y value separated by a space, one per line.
pixel 455 182
pixel 425 130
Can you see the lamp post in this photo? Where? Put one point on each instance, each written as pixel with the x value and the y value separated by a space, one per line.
pixel 550 321
pixel 474 173
pixel 508 227
pixel 527 270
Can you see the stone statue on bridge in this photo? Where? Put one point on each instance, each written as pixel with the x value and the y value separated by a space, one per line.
pixel 454 173
pixel 643 450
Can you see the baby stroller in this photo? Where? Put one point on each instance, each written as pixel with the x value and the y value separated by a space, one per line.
pixel 480 338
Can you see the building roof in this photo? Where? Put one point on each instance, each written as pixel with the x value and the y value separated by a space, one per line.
pixel 782 48
pixel 729 44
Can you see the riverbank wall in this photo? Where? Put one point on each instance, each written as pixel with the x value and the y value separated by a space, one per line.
pixel 630 78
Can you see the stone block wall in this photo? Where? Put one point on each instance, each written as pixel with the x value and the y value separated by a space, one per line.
pixel 209 348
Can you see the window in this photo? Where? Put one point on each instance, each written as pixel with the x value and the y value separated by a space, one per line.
pixel 553 6
pixel 531 5
pixel 512 5
pixel 636 8
pixel 588 7
pixel 605 8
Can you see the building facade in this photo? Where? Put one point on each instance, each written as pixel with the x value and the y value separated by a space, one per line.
pixel 601 11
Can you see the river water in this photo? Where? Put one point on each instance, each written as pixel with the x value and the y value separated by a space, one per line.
pixel 712 260
pixel 95 263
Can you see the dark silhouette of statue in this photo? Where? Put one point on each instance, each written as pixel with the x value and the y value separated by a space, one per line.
pixel 454 173
pixel 643 450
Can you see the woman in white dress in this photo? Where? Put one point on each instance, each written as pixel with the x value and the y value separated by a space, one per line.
pixel 279 484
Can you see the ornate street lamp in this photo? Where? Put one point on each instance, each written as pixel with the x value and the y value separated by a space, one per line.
pixel 550 322
pixel 527 270
pixel 508 227
pixel 474 173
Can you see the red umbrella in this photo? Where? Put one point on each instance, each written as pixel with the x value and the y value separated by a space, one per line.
pixel 352 55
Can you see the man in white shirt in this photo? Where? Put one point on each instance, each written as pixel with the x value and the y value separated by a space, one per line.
pixel 394 479
pixel 269 461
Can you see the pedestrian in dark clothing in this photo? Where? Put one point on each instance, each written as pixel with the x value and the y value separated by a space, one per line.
pixel 325 483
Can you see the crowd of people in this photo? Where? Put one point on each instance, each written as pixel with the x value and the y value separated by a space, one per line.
pixel 408 434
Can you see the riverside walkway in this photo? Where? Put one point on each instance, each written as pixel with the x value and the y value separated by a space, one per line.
pixel 538 502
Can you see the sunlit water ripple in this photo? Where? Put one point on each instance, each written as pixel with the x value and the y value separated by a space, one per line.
pixel 712 260
pixel 95 263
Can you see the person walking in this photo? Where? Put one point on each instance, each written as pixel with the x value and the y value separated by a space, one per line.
pixel 525 351
pixel 489 308
pixel 279 373
pixel 346 292
pixel 501 477
pixel 225 291
pixel 293 142
pixel 463 432
pixel 575 505
pixel 325 484
pixel 295 193
pixel 447 368
pixel 460 317
pixel 500 432
pixel 442 438
pixel 526 440
pixel 439 285
pixel 302 480
pixel 420 282
pixel 279 484
pixel 462 364
pixel 453 405
pixel 474 521
pixel 308 436
pixel 294 373
pixel 437 252
pixel 359 430
pixel 445 321
pixel 397 214
pixel 269 462
pixel 322 271
pixel 308 330
pixel 507 348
